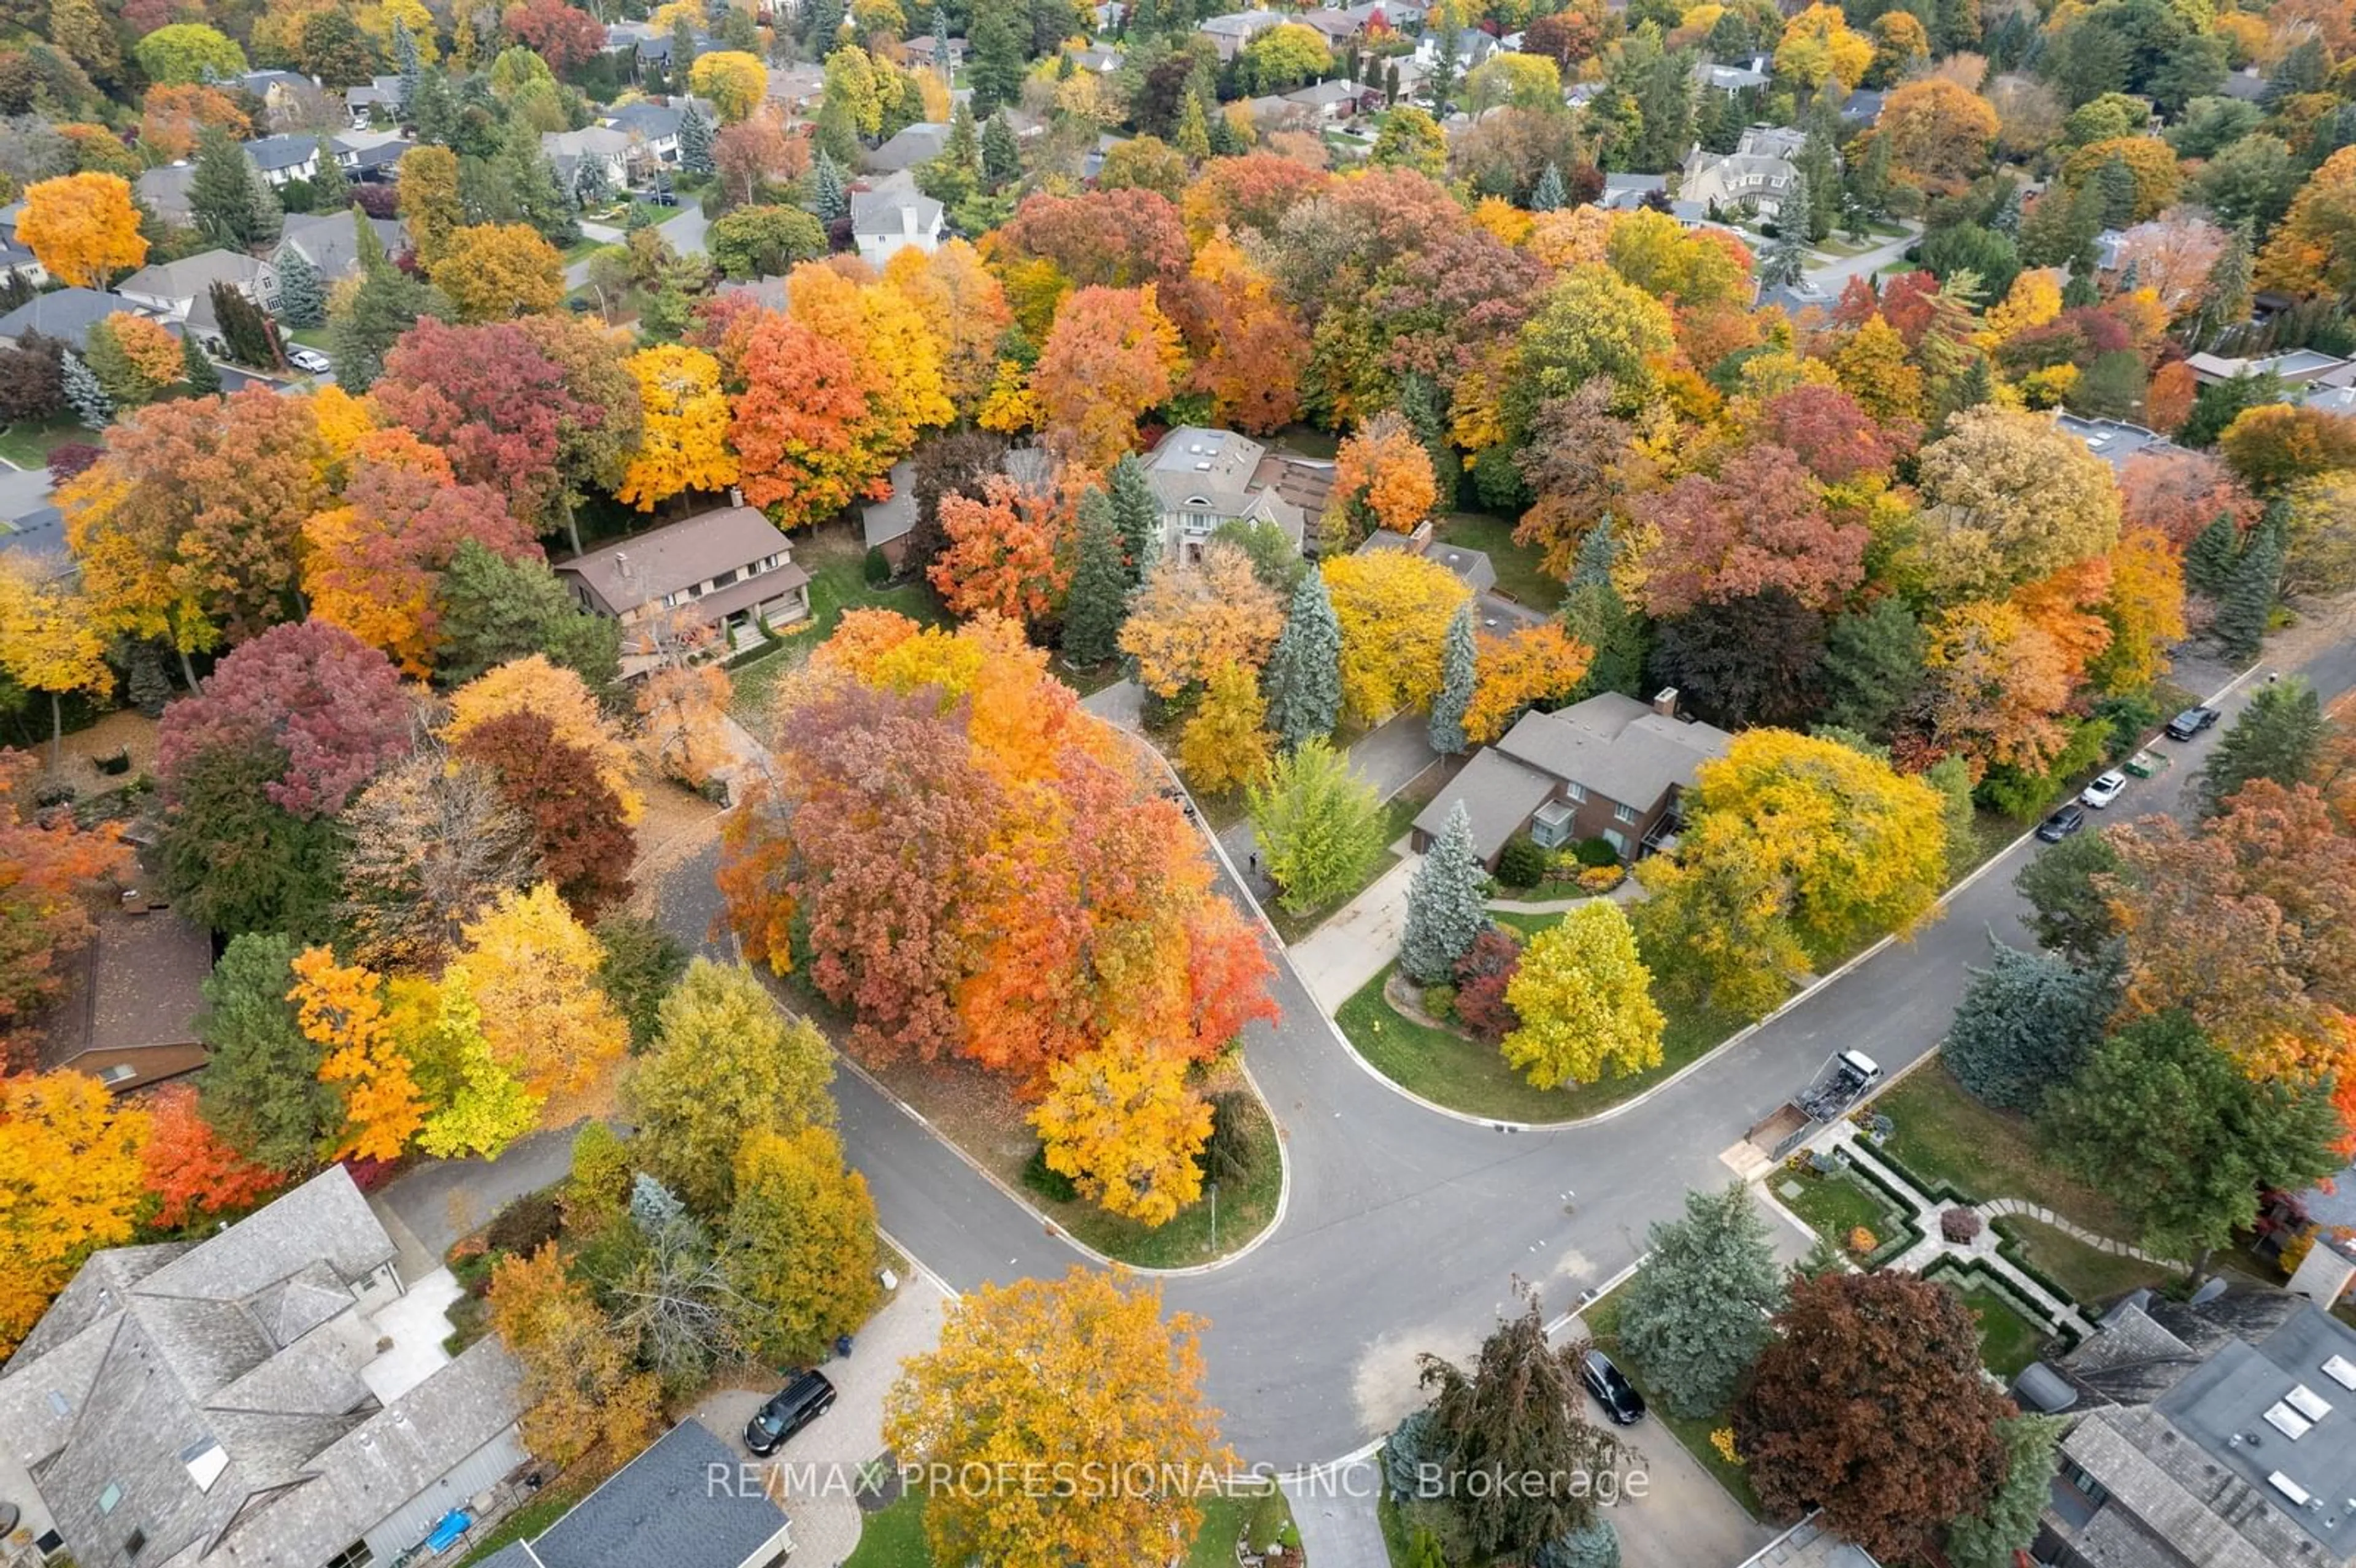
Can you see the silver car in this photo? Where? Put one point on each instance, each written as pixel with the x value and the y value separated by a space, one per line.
pixel 309 359
pixel 2104 789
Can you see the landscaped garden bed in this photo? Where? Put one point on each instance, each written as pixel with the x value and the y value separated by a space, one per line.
pixel 1847 1208
pixel 2013 1329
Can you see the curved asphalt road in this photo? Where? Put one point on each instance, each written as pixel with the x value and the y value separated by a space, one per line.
pixel 1403 1229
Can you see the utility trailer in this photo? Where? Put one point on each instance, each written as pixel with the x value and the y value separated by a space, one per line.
pixel 1841 1082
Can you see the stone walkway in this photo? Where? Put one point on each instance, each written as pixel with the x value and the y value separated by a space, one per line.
pixel 2005 1205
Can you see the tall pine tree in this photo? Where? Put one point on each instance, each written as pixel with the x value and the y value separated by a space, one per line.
pixel 1137 515
pixel 1098 599
pixel 202 377
pixel 406 62
pixel 1549 194
pixel 695 138
pixel 87 399
pixel 827 201
pixel 1459 661
pixel 1304 673
pixel 1695 1314
pixel 2249 597
pixel 1445 907
pixel 2210 561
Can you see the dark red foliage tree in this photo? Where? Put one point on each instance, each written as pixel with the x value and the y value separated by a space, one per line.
pixel 333 705
pixel 564 37
pixel 1761 525
pixel 577 818
pixel 1482 975
pixel 1836 440
pixel 490 398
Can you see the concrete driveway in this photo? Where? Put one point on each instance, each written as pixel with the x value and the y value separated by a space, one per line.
pixel 1352 947
pixel 1685 1518
pixel 1393 755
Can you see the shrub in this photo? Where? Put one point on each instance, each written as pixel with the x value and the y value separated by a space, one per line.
pixel 1596 852
pixel 526 1225
pixel 1522 864
pixel 1959 1223
pixel 1439 1001
pixel 1862 1241
pixel 1482 975
pixel 1229 1152
pixel 876 568
pixel 1602 879
pixel 1046 1182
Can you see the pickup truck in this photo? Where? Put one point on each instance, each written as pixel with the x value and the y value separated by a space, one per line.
pixel 1839 1085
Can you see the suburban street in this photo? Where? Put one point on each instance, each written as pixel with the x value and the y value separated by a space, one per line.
pixel 1403 1229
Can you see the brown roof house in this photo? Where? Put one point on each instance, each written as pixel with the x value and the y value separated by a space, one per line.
pixel 1609 768
pixel 726 573
pixel 269 1397
pixel 128 1013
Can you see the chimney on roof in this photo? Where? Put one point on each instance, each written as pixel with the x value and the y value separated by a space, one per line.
pixel 1664 702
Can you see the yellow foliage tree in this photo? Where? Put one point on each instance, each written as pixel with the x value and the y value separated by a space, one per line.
pixel 1121 1123
pixel 1819 45
pixel 683 444
pixel 430 205
pixel 342 1008
pixel 2034 299
pixel 82 229
pixel 802 1240
pixel 1536 664
pixel 153 353
pixel 495 271
pixel 534 971
pixel 1041 1371
pixel 897 352
pixel 534 684
pixel 1585 999
pixel 71 1182
pixel 478 1106
pixel 964 305
pixel 580 1382
pixel 1394 608
pixel 1189 621
pixel 1226 745
pixel 734 80
pixel 684 708
pixel 2145 610
pixel 49 640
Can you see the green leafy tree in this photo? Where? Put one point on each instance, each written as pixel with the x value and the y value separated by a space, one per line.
pixel 493 610
pixel 1585 999
pixel 727 1061
pixel 1996 1533
pixel 1098 597
pixel 763 241
pixel 386 304
pixel 1445 902
pixel 1872 666
pixel 1136 515
pixel 2277 737
pixel 801 1241
pixel 1518 1411
pixel 302 297
pixel 1695 1316
pixel 234 861
pixel 188 52
pixel 1304 673
pixel 2167 1126
pixel 2025 1026
pixel 197 373
pixel 259 1089
pixel 1319 825
pixel 1458 667
pixel 2072 913
pixel 641 963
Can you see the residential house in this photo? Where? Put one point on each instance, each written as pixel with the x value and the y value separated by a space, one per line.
pixel 2113 441
pixel 1328 101
pixel 66 314
pixel 1494 611
pixel 128 1013
pixel 600 145
pixel 1337 27
pixel 1809 1544
pixel 1755 177
pixel 769 293
pixel 165 191
pixel 365 103
pixel 2245 84
pixel 1610 767
pixel 285 158
pixel 1731 79
pixel 892 216
pixel 268 1397
pixel 1392 16
pixel 1206 477
pixel 904 149
pixel 2296 367
pixel 32 530
pixel 1472 46
pixel 288 98
pixel 370 155
pixel 2215 1432
pixel 797 86
pixel 689 1501
pixel 885 524
pixel 1230 33
pixel 724 573
pixel 1862 107
pixel 652 128
pixel 330 241
pixel 1099 59
pixel 182 290
pixel 922 48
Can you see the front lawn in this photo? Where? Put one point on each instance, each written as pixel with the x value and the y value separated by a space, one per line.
pixel 1518 576
pixel 892 1537
pixel 2008 1341
pixel 1837 1205
pixel 836 560
pixel 1945 1135
pixel 27 443
pixel 1466 1076
pixel 2090 1274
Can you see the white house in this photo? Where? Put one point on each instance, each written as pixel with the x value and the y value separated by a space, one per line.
pixel 894 218
pixel 568 150
pixel 1206 477
pixel 1758 174
pixel 286 158
pixel 182 290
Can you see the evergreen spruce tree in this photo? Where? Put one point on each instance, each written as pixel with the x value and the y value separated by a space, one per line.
pixel 1445 68
pixel 824 19
pixel 1224 141
pixel 2209 559
pixel 1303 679
pixel 2027 1023
pixel 1194 131
pixel 941 39
pixel 406 62
pixel 1002 152
pixel 201 374
pixel 1136 515
pixel 2276 737
pixel 1787 259
pixel 1595 1545
pixel 2079 292
pixel 331 189
pixel 387 304
pixel 1419 404
pixel 2007 220
pixel 1594 612
pixel 231 203
pixel 2115 183
pixel 827 201
pixel 1549 194
pixel 1459 666
pixel 1098 599
pixel 89 399
pixel 2249 597
pixel 245 330
pixel 434 110
pixel 1445 907
pixel 1695 1316
pixel 695 137
pixel 682 53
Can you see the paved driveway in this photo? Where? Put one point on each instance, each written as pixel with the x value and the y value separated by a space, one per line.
pixel 1391 756
pixel 1352 947
pixel 1685 1518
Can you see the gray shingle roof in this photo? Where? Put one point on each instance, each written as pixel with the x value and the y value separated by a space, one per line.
pixel 192 275
pixel 883 521
pixel 660 1507
pixel 137 983
pixel 892 212
pixel 1499 794
pixel 270 153
pixel 676 555
pixel 1615 746
pixel 331 239
pixel 66 315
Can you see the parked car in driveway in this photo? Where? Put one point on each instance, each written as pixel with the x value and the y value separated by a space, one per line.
pixel 2191 723
pixel 2104 789
pixel 793 1407
pixel 309 359
pixel 1614 1391
pixel 2062 823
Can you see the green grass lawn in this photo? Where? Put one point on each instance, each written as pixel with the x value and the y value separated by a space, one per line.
pixel 26 444
pixel 1528 925
pixel 1945 1135
pixel 1692 1433
pixel 836 564
pixel 893 1537
pixel 1518 577
pixel 2090 1274
pixel 1246 1205
pixel 1466 1075
pixel 2008 1341
pixel 1834 1205
pixel 309 337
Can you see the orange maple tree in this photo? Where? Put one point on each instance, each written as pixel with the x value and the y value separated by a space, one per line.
pixel 797 421
pixel 1382 478
pixel 1110 356
pixel 1009 550
pixel 190 1170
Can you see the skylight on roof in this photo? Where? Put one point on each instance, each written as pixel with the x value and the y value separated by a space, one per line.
pixel 2342 1371
pixel 2288 1422
pixel 205 1461
pixel 2307 1402
pixel 2289 1487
